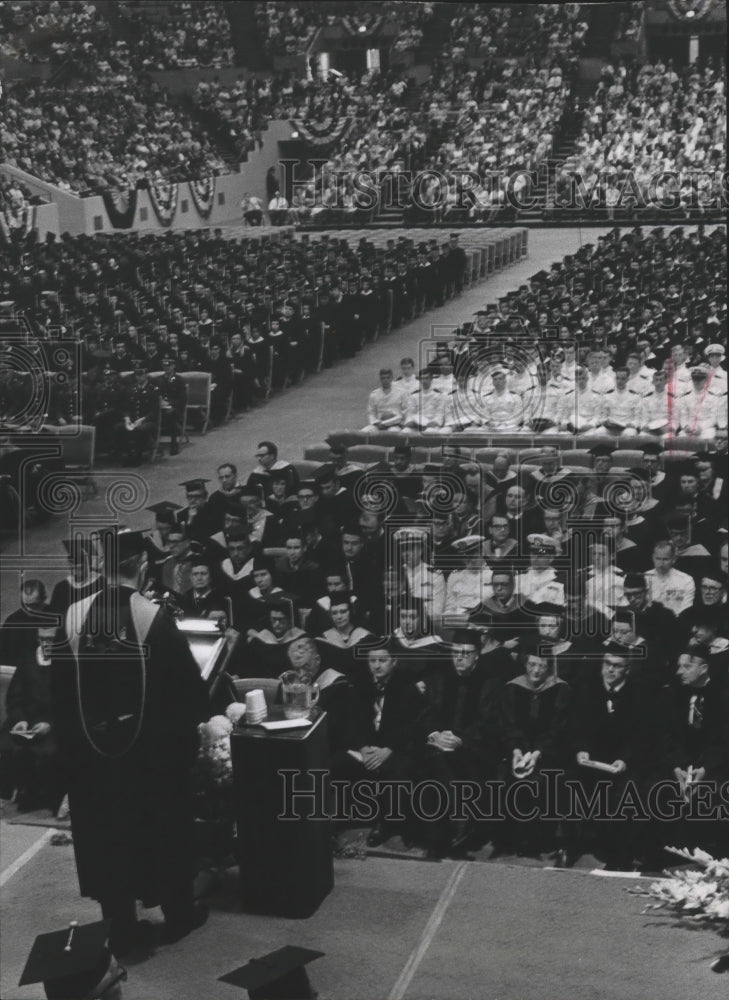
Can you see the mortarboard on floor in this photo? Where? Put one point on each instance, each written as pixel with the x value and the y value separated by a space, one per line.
pixel 71 963
pixel 280 975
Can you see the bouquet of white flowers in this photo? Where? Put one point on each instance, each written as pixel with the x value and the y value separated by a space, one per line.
pixel 701 895
pixel 213 772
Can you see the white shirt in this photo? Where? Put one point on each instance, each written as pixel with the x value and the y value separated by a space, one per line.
pixel 621 406
pixel 540 586
pixel 382 405
pixel 674 590
pixel 503 410
pixel 467 589
pixel 426 407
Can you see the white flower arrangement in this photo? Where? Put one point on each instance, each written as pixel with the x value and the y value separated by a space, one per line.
pixel 701 895
pixel 213 770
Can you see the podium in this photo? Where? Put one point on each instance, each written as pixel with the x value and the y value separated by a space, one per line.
pixel 285 865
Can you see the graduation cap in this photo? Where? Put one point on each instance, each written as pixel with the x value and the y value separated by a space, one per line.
pixel 164 511
pixel 131 543
pixel 614 648
pixel 467 637
pixel 716 577
pixel 194 485
pixel 624 615
pixel 547 608
pixel 280 975
pixel 326 474
pixel 72 963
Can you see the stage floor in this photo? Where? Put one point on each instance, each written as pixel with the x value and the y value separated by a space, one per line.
pixel 394 929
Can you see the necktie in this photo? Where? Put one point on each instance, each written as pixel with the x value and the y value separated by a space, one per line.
pixel 696 711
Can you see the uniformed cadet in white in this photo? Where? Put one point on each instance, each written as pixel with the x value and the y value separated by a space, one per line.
pixel 424 583
pixel 679 377
pixel 621 407
pixel 640 379
pixel 582 405
pixel 478 388
pixel 386 405
pixel 714 355
pixel 658 408
pixel 459 410
pixel 600 378
pixel 699 409
pixel 468 588
pixel 445 383
pixel 524 381
pixel 554 403
pixel 503 410
pixel 426 406
pixel 666 585
pixel 407 380
pixel 540 583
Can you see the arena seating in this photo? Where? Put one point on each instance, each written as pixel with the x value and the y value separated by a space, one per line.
pixel 375 448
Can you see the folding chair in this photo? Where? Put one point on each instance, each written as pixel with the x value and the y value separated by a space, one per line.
pixel 78 444
pixel 199 389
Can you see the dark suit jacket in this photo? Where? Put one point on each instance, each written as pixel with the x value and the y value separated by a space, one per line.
pixel 403 705
pixel 707 746
pixel 629 732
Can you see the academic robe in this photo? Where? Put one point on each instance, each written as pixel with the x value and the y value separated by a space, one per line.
pixel 127 698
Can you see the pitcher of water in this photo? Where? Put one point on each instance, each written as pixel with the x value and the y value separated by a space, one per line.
pixel 299 696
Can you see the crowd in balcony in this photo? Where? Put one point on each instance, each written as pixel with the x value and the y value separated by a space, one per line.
pixel 288 28
pixel 192 34
pixel 106 136
pixel 653 134
pixel 37 30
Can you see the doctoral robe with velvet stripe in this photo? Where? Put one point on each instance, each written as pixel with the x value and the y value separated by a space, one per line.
pixel 127 698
